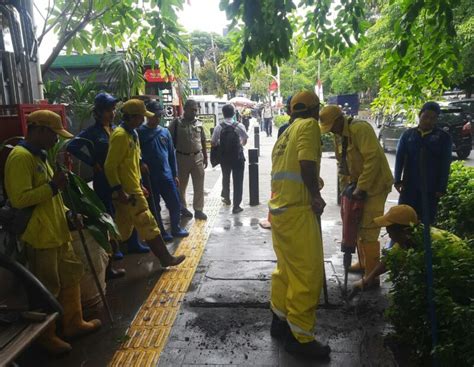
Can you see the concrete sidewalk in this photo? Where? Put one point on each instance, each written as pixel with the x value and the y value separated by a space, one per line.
pixel 225 317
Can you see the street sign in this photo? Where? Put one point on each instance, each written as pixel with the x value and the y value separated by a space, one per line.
pixel 193 83
pixel 155 76
pixel 208 122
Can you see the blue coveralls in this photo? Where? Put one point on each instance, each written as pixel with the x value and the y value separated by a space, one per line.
pixel 408 168
pixel 159 154
pixel 96 140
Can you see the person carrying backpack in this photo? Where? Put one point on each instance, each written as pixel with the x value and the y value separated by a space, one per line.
pixel 230 137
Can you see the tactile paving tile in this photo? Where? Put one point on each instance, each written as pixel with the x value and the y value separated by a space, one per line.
pixel 149 330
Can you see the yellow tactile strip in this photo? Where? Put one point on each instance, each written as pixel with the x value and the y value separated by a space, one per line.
pixel 149 331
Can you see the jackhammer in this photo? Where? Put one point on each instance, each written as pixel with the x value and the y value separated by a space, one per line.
pixel 351 214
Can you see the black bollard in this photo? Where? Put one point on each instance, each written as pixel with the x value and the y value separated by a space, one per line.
pixel 253 177
pixel 256 139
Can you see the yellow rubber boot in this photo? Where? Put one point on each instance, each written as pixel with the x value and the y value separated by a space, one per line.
pixel 50 342
pixel 73 323
pixel 359 266
pixel 372 258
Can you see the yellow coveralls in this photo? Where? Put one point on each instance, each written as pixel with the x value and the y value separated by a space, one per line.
pixel 49 251
pixel 368 167
pixel 122 169
pixel 298 277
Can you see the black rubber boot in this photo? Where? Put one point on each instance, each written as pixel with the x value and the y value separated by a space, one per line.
pixel 312 349
pixel 279 328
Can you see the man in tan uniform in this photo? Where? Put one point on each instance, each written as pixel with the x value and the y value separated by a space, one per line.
pixel 190 142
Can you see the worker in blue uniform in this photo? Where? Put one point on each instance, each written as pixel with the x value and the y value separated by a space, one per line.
pixel 91 146
pixel 159 155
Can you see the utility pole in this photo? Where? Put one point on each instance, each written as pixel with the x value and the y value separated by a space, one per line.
pixel 190 68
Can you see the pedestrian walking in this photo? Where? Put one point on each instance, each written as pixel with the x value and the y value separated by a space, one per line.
pixel 298 278
pixel 363 161
pixel 122 169
pixel 159 155
pixel 231 136
pixel 267 115
pixel 30 182
pixel 423 150
pixel 189 140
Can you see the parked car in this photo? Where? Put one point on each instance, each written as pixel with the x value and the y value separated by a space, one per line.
pixel 467 105
pixel 452 120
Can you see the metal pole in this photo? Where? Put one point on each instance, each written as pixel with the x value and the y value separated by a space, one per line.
pixel 253 177
pixel 256 138
pixel 428 254
pixel 88 256
pixel 325 283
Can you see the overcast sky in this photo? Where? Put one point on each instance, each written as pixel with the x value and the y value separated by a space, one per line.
pixel 202 15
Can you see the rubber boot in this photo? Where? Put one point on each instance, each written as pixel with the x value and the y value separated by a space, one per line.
pixel 372 258
pixel 313 349
pixel 359 266
pixel 158 247
pixel 279 328
pixel 134 245
pixel 50 342
pixel 73 323
pixel 179 233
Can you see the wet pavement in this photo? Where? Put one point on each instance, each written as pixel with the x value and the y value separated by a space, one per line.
pixel 225 319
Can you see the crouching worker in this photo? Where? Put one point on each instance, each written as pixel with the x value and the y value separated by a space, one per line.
pixel 399 222
pixel 31 182
pixel 122 168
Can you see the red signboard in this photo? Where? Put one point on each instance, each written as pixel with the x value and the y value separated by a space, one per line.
pixel 155 76
pixel 273 86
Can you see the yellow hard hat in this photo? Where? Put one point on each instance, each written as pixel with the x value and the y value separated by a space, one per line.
pixel 328 116
pixel 303 101
pixel 136 107
pixel 48 119
pixel 399 214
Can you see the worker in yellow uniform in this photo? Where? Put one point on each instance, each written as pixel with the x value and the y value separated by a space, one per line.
pixel 122 169
pixel 400 222
pixel 363 161
pixel 295 205
pixel 30 183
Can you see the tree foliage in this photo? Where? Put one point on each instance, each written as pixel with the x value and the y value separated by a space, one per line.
pixel 150 25
pixel 404 50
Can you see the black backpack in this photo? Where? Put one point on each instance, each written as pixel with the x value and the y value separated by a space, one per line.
pixel 229 145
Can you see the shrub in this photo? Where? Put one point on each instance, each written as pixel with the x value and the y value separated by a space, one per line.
pixel 327 142
pixel 281 119
pixel 453 262
pixel 456 208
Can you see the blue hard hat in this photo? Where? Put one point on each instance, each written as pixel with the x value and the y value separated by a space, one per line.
pixel 104 100
pixel 155 107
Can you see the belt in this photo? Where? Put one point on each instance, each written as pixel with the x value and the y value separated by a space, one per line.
pixel 182 153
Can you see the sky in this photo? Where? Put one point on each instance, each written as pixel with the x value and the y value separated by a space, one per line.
pixel 202 15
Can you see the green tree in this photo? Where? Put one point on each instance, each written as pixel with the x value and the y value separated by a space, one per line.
pixel 151 26
pixel 420 58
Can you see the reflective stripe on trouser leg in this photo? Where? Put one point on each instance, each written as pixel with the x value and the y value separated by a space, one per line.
pixel 279 286
pixel 297 243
